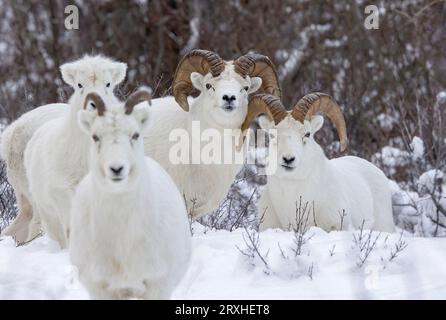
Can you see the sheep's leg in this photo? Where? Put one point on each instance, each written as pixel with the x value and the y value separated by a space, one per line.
pixel 19 229
pixel 98 291
pixel 382 207
pixel 156 290
pixel 64 214
pixel 34 227
pixel 52 226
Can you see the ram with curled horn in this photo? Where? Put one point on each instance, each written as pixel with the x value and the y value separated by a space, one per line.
pixel 222 104
pixel 347 186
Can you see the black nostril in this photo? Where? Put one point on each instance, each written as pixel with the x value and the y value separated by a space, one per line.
pixel 116 170
pixel 288 160
pixel 229 98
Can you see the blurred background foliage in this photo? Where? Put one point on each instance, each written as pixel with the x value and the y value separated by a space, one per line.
pixel 389 81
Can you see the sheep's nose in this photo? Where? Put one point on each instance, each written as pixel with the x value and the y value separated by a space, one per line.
pixel 229 99
pixel 288 160
pixel 116 170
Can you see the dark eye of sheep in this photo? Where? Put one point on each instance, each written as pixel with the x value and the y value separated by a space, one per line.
pixel 307 135
pixel 246 88
pixel 108 85
pixel 208 86
pixel 95 138
pixel 92 105
pixel 135 136
pixel 80 86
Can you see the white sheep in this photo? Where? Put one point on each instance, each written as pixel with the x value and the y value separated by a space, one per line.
pixel 130 235
pixel 56 156
pixel 16 137
pixel 347 187
pixel 222 105
pixel 14 141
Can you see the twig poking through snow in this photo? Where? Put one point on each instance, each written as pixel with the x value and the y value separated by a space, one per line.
pixel 189 214
pixel 399 247
pixel 342 216
pixel 365 243
pixel 301 226
pixel 252 241
pixel 310 271
pixel 332 250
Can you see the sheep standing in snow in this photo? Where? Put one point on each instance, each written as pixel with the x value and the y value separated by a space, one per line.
pixel 13 144
pixel 222 105
pixel 129 235
pixel 346 183
pixel 56 156
pixel 80 75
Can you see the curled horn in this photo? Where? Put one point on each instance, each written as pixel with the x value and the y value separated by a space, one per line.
pixel 201 61
pixel 257 65
pixel 266 104
pixel 99 104
pixel 136 98
pixel 315 102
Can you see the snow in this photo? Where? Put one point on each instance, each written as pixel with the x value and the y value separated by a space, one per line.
pixel 390 158
pixel 294 56
pixel 416 211
pixel 194 37
pixel 219 270
pixel 386 121
pixel 441 97
pixel 417 146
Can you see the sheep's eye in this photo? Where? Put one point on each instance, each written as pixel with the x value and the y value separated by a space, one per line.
pixel 135 136
pixel 307 135
pixel 80 86
pixel 246 88
pixel 108 85
pixel 208 86
pixel 95 138
pixel 92 105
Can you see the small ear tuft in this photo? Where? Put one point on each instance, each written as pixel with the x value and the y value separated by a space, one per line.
pixel 265 122
pixel 85 119
pixel 256 83
pixel 141 113
pixel 68 72
pixel 316 123
pixel 118 72
pixel 197 80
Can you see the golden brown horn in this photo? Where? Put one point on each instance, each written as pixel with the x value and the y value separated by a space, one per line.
pixel 99 104
pixel 315 102
pixel 257 65
pixel 201 61
pixel 267 104
pixel 136 98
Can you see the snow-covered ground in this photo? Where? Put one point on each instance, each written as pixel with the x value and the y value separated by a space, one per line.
pixel 327 268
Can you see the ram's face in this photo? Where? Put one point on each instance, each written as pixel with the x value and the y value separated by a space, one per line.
pixel 293 141
pixel 226 96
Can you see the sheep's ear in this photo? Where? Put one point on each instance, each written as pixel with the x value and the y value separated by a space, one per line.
pixel 256 82
pixel 141 113
pixel 316 123
pixel 69 72
pixel 197 80
pixel 265 122
pixel 118 72
pixel 85 119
